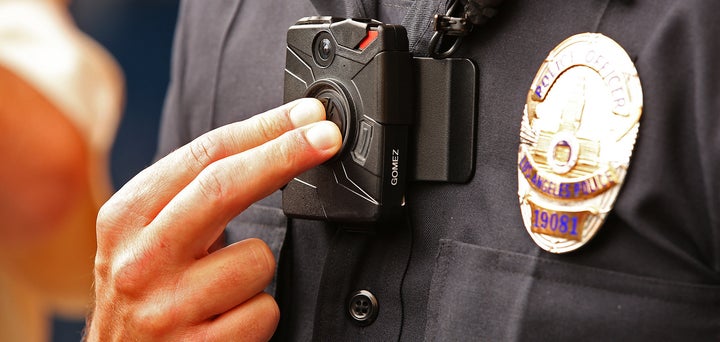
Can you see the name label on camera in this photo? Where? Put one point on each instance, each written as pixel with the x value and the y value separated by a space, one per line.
pixel 579 127
pixel 395 167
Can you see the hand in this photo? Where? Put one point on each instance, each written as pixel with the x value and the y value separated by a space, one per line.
pixel 154 276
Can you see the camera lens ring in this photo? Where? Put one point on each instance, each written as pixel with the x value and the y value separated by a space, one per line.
pixel 323 48
pixel 338 108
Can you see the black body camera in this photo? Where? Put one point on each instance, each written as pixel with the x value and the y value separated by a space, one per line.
pixel 375 91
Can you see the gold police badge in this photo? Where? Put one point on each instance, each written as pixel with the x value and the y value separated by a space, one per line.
pixel 579 127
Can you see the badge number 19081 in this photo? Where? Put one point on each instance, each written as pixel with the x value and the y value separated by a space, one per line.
pixel 579 128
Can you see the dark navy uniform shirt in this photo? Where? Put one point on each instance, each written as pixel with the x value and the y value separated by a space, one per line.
pixel 465 268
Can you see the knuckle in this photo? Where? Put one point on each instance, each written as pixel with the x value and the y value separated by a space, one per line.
pixel 104 222
pixel 203 151
pixel 253 267
pixel 288 150
pixel 262 256
pixel 258 323
pixel 128 272
pixel 154 320
pixel 268 315
pixel 111 226
pixel 210 185
pixel 272 310
pixel 270 127
pixel 102 270
pixel 109 214
pixel 105 215
pixel 123 212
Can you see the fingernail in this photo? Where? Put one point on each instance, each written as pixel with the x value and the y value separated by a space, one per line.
pixel 323 135
pixel 306 111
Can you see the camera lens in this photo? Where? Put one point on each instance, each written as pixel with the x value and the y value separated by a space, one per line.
pixel 323 49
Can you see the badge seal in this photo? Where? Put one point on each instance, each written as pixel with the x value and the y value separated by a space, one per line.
pixel 579 127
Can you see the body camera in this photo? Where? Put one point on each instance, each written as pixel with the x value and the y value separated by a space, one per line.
pixel 361 71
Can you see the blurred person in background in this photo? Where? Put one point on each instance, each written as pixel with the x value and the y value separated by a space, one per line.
pixel 61 97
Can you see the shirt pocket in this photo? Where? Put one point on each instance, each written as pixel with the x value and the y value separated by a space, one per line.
pixel 479 293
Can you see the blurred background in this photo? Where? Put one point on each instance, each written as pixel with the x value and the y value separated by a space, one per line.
pixel 138 33
pixel 59 105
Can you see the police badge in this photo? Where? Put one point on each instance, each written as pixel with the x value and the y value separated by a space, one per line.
pixel 578 131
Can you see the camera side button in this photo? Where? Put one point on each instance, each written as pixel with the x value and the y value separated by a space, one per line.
pixel 362 145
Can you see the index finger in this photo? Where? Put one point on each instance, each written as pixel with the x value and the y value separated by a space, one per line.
pixel 142 198
pixel 230 185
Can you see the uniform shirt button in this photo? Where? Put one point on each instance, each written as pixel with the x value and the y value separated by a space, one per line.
pixel 363 307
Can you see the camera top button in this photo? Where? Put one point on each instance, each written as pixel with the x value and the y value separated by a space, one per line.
pixel 315 20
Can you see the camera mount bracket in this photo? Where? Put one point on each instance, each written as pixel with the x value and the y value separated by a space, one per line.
pixel 444 129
